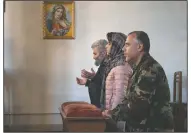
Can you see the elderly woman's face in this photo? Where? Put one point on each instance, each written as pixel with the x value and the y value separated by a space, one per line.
pixel 58 13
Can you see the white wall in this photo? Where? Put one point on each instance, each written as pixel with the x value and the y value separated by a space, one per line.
pixel 41 73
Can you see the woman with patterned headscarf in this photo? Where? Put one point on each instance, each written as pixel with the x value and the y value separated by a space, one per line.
pixel 58 25
pixel 117 72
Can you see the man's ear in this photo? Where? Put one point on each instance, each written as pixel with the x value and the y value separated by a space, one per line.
pixel 140 47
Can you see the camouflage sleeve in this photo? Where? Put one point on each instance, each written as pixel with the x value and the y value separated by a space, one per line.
pixel 137 102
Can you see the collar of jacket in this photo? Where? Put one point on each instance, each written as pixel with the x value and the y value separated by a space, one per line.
pixel 145 56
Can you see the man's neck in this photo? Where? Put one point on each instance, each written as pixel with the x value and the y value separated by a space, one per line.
pixel 139 57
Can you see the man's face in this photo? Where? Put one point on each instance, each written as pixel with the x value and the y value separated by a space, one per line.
pixel 98 55
pixel 131 48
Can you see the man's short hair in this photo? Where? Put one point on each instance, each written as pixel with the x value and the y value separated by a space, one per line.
pixel 100 44
pixel 143 38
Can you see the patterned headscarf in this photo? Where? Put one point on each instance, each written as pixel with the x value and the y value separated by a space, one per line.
pixel 115 58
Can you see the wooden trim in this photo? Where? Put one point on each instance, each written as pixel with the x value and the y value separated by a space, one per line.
pixel 174 88
pixel 180 88
pixel 177 79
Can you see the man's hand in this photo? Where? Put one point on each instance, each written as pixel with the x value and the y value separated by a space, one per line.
pixel 88 75
pixel 81 81
pixel 106 113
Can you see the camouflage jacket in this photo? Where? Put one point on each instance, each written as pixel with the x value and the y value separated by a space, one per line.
pixel 146 105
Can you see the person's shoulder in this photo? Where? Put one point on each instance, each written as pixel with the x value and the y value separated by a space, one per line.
pixel 148 70
pixel 151 69
pixel 151 65
pixel 117 69
pixel 120 67
pixel 126 68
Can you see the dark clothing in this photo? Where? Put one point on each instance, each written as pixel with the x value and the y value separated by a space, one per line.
pixel 94 85
pixel 111 126
pixel 146 105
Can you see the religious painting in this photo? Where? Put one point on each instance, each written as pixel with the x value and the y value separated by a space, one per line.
pixel 58 20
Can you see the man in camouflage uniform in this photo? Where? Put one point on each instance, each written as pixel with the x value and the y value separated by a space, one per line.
pixel 146 105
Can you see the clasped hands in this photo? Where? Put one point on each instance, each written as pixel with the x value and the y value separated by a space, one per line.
pixel 85 75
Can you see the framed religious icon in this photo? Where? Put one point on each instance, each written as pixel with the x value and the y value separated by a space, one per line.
pixel 58 20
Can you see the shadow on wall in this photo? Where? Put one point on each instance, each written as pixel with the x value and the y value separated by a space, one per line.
pixel 25 74
pixel 7 78
pixel 35 61
pixel 36 70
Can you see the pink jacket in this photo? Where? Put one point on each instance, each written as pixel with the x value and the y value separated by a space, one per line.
pixel 116 83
